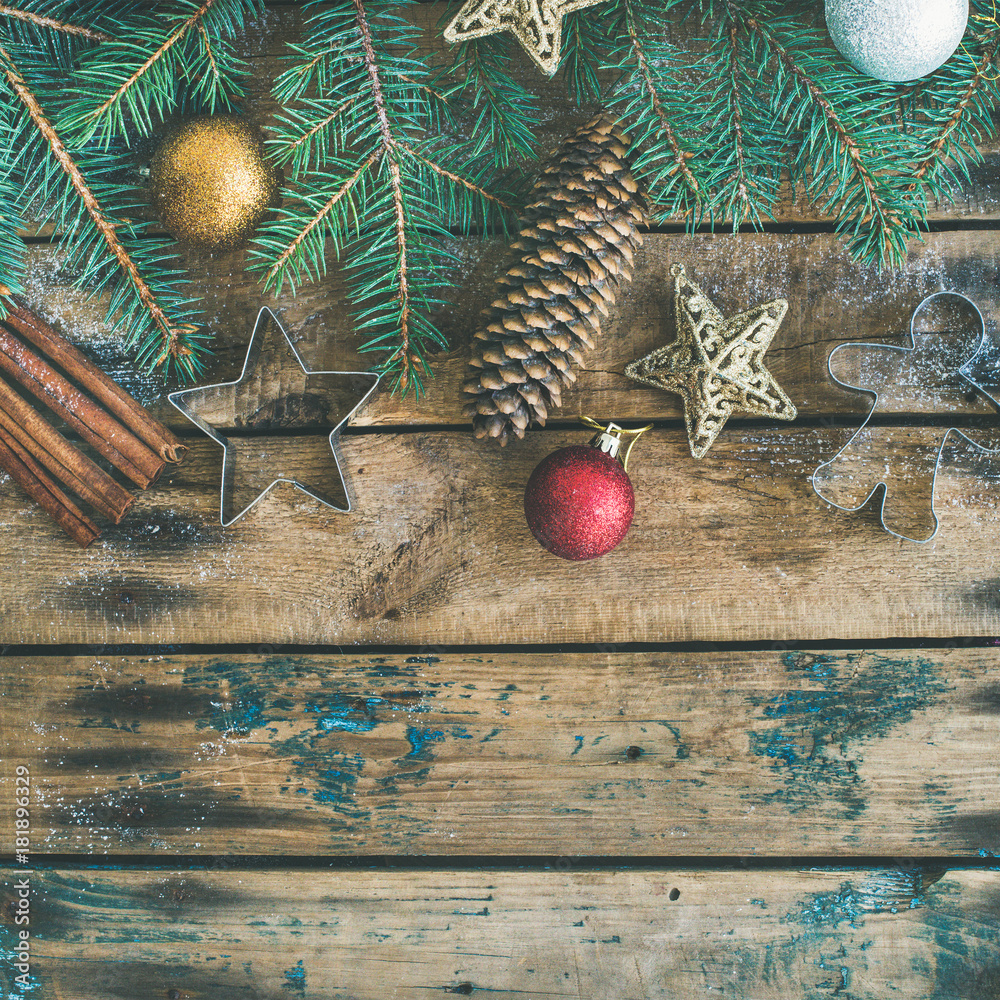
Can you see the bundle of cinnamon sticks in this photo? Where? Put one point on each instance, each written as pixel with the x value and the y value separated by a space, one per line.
pixel 43 461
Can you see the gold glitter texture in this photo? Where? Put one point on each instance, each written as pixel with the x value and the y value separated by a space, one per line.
pixel 210 183
pixel 536 24
pixel 716 364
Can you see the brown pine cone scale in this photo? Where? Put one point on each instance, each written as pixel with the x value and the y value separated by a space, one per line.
pixel 574 249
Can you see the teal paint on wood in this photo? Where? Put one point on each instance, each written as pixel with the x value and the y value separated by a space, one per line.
pixel 248 701
pixel 716 754
pixel 18 979
pixel 295 980
pixel 420 740
pixel 967 966
pixel 821 729
pixel 809 936
pixel 821 918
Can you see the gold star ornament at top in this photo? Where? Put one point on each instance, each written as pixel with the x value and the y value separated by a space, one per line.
pixel 716 364
pixel 536 24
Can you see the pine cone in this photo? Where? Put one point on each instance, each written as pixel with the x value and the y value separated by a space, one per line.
pixel 575 248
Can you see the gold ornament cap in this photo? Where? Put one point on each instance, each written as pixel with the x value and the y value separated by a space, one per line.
pixel 611 438
pixel 210 182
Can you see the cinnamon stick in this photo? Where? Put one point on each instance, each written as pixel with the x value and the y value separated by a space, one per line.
pixel 67 463
pixel 36 482
pixel 97 427
pixel 104 389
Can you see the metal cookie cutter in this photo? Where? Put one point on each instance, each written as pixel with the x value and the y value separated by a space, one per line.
pixel 914 376
pixel 327 397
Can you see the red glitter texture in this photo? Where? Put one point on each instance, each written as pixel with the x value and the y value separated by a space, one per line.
pixel 579 502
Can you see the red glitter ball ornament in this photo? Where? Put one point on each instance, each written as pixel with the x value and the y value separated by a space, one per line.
pixel 579 501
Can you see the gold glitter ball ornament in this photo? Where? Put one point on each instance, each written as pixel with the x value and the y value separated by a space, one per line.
pixel 210 182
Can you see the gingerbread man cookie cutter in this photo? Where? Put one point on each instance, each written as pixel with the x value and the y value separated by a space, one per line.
pixel 852 463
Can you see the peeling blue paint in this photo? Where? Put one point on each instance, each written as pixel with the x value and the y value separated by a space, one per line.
pixel 821 730
pixel 321 770
pixel 241 710
pixel 344 717
pixel 15 988
pixel 828 909
pixel 295 980
pixel 420 741
pixel 682 751
pixel 336 787
pixel 821 936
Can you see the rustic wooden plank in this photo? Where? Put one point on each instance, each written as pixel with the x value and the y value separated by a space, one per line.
pixel 734 547
pixel 609 753
pixel 786 935
pixel 832 300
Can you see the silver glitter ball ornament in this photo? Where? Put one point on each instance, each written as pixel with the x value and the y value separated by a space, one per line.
pixel 896 40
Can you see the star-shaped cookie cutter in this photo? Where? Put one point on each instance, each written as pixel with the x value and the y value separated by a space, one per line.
pixel 965 371
pixel 264 318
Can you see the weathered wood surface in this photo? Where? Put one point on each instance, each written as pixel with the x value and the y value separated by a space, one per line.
pixel 369 935
pixel 598 753
pixel 831 300
pixel 604 751
pixel 734 547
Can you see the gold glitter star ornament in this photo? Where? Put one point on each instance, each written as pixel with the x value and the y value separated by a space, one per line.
pixel 716 364
pixel 536 24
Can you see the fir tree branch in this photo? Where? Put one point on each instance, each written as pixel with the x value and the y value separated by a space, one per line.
pixel 207 43
pixel 743 183
pixel 455 178
pixel 939 146
pixel 302 73
pixel 171 339
pixel 175 36
pixel 318 218
pixel 679 155
pixel 584 46
pixel 177 53
pixel 833 121
pixel 403 353
pixel 438 95
pixel 506 113
pixel 289 149
pixel 50 22
pixel 365 129
pixel 870 203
